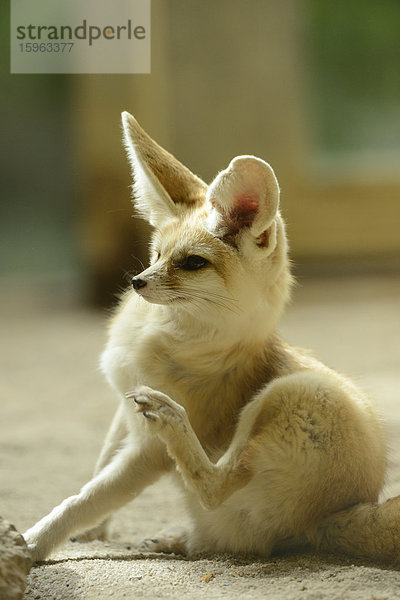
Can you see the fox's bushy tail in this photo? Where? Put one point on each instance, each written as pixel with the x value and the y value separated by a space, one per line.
pixel 364 530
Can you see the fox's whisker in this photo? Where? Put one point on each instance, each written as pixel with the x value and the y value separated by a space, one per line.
pixel 220 302
pixel 226 302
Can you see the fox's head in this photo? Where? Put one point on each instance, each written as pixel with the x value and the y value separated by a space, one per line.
pixel 217 252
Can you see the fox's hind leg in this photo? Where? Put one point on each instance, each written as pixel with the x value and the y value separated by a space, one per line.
pixel 168 541
pixel 311 447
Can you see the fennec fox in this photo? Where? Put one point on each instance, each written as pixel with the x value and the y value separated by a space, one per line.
pixel 272 449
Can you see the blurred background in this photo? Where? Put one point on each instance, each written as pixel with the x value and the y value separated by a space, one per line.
pixel 312 87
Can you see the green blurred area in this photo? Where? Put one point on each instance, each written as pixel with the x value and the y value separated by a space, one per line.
pixel 354 52
pixel 37 206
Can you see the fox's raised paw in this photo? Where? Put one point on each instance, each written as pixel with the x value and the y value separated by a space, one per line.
pixel 157 408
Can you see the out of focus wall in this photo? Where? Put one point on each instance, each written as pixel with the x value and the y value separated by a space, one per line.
pixel 311 87
pixel 234 78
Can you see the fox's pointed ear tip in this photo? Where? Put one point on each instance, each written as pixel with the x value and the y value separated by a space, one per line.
pixel 127 118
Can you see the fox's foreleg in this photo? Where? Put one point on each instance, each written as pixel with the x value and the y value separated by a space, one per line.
pixel 212 482
pixel 131 470
pixel 113 443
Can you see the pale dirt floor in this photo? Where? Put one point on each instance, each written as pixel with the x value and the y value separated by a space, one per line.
pixel 54 412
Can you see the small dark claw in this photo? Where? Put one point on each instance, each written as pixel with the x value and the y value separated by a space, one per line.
pixel 140 405
pixel 141 402
pixel 149 415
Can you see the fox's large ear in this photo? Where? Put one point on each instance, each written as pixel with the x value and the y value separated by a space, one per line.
pixel 162 187
pixel 246 195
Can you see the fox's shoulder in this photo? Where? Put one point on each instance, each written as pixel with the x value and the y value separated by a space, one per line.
pixel 279 358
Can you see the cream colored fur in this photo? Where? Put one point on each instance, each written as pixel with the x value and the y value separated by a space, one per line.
pixel 272 448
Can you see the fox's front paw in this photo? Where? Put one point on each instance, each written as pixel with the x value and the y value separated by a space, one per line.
pixel 161 413
pixel 36 554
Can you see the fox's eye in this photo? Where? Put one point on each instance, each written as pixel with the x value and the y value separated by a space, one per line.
pixel 193 263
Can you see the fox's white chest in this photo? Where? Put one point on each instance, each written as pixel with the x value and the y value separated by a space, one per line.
pixel 139 361
pixel 211 390
pixel 207 396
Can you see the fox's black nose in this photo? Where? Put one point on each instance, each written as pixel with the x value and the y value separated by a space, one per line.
pixel 138 283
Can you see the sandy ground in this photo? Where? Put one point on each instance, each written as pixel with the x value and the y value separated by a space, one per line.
pixel 55 409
